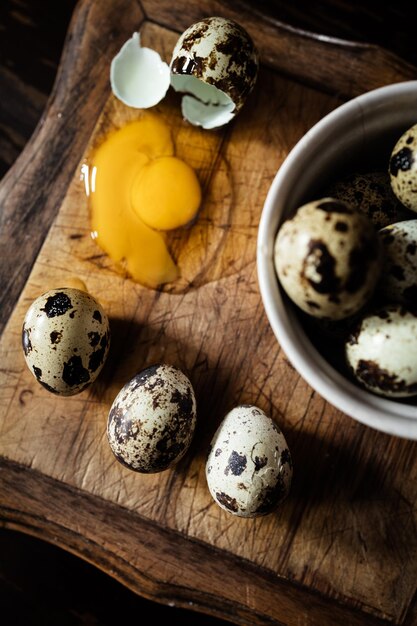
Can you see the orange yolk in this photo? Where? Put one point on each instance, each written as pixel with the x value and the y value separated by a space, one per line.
pixel 135 185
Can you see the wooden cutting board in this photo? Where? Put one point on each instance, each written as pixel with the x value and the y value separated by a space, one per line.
pixel 342 549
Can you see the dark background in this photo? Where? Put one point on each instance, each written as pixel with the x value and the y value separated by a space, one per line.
pixel 39 583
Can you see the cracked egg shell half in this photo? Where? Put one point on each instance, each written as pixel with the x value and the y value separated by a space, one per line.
pixel 152 420
pixel 66 339
pixel 249 467
pixel 382 352
pixel 215 64
pixel 327 258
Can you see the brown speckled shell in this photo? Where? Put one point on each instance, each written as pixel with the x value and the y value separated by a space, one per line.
pixel 371 193
pixel 328 258
pixel 152 420
pixel 221 53
pixel 382 352
pixel 403 168
pixel 65 339
pixel 249 467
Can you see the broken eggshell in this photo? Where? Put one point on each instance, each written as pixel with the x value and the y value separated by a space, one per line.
pixel 138 76
pixel 216 64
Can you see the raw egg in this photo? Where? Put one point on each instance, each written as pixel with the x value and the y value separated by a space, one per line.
pixel 137 188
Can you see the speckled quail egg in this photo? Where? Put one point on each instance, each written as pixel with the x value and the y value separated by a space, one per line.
pixel 403 168
pixel 216 64
pixel 371 193
pixel 66 339
pixel 152 420
pixel 249 467
pixel 382 352
pixel 399 274
pixel 327 257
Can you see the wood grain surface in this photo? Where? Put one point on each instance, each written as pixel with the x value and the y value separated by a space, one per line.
pixel 342 549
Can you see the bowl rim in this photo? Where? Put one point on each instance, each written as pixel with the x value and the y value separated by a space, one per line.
pixel 383 414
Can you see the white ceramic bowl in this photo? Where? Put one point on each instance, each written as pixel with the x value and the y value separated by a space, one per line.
pixel 368 124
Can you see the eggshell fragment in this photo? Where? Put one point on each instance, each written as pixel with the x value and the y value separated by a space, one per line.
pixel 66 339
pixel 249 467
pixel 327 258
pixel 138 76
pixel 152 420
pixel 382 352
pixel 403 168
pixel 215 62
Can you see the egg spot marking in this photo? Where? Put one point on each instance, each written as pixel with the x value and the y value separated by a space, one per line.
pixel 74 373
pixel 227 501
pixel 97 357
pixel 38 372
pixel 58 304
pixel 271 496
pixel 170 449
pixel 334 206
pixel 411 249
pixel 48 387
pixel 195 36
pixel 122 426
pixel 94 338
pixel 286 457
pixel 55 336
pixel 312 304
pixel 184 401
pixel 236 464
pixel 97 316
pixel 341 227
pixel 26 343
pixel 371 374
pixel 319 268
pixel 218 452
pixel 260 462
pixel 403 160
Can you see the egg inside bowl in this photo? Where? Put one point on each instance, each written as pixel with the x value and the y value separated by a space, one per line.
pixel 360 132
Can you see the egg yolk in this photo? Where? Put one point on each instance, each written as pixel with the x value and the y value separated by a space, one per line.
pixel 158 195
pixel 136 188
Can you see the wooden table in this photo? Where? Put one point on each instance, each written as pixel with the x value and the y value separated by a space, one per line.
pixel 341 550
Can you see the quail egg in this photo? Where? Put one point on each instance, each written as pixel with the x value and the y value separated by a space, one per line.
pixel 327 257
pixel 216 64
pixel 65 338
pixel 399 274
pixel 403 168
pixel 382 352
pixel 152 420
pixel 249 467
pixel 371 193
